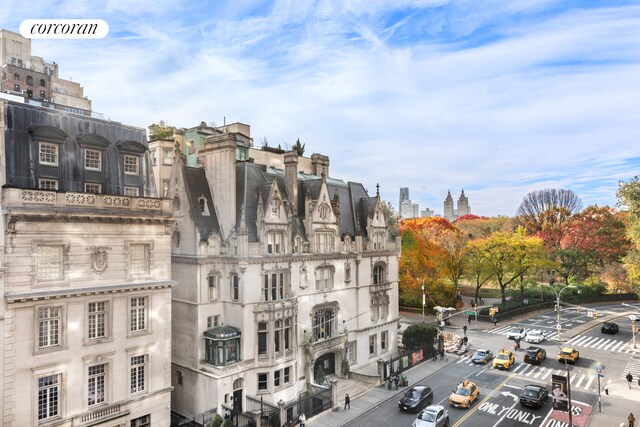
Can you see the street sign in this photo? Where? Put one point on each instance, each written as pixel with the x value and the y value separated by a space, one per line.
pixel 470 312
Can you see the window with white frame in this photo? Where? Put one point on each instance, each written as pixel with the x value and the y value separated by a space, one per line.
pixel 213 287
pixel 324 243
pixel 274 243
pixel 286 375
pixel 93 160
pixel 96 379
pixel 50 262
pixel 139 257
pixel 92 187
pixel 277 336
pixel 373 348
pixel 384 338
pixel 324 278
pixel 130 190
pixel 49 395
pixel 97 320
pixel 263 381
pixel 48 154
pixel 138 314
pixel 273 286
pixel 131 165
pixel 143 421
pixel 47 184
pixel 287 334
pixel 49 325
pixel 167 156
pixel 276 378
pixel 138 373
pixel 235 287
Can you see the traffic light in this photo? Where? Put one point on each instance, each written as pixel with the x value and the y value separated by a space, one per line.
pixel 555 307
pixel 578 309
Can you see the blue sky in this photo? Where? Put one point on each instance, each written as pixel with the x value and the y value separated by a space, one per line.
pixel 497 97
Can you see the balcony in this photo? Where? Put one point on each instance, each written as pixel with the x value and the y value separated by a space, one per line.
pixel 101 415
pixel 15 197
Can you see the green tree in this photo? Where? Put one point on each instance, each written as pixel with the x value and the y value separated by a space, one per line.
pixel 419 335
pixel 227 423
pixel 477 268
pixel 298 147
pixel 509 256
pixel 216 420
pixel 629 198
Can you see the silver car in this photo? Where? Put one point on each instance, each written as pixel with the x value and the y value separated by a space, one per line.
pixel 432 416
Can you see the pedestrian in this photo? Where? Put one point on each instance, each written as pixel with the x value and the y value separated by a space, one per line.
pixel 631 419
pixel 629 379
pixel 464 329
pixel 495 321
pixel 481 301
pixel 302 419
pixel 441 354
pixel 347 402
pixel 469 320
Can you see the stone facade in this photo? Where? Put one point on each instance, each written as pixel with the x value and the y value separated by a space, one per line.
pixel 86 281
pixel 283 272
pixel 463 206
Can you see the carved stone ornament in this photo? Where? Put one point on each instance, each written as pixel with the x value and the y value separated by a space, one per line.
pixel 99 258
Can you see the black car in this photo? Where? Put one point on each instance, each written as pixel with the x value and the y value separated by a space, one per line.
pixel 416 398
pixel 609 328
pixel 534 395
pixel 535 355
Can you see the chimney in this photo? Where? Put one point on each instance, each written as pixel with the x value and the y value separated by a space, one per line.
pixel 320 164
pixel 291 179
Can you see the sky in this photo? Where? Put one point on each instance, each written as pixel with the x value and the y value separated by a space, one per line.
pixel 499 97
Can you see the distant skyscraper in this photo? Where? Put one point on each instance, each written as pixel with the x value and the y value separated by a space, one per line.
pixel 463 206
pixel 404 195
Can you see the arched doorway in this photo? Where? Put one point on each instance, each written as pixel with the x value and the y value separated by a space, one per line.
pixel 328 364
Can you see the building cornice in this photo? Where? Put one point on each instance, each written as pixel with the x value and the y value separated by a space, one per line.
pixel 284 259
pixel 15 297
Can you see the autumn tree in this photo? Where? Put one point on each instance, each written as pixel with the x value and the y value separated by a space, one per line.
pixel 477 268
pixel 422 262
pixel 476 227
pixel 591 239
pixel 543 212
pixel 629 198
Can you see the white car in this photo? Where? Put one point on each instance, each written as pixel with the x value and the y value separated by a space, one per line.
pixel 634 317
pixel 535 336
pixel 516 333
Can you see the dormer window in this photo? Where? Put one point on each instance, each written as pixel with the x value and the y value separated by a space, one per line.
pixel 130 165
pixel 204 208
pixel 275 208
pixel 274 243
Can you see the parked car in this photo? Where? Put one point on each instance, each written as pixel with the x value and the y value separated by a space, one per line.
pixel 482 356
pixel 609 328
pixel 571 355
pixel 516 333
pixel 535 355
pixel 534 395
pixel 504 360
pixel 416 398
pixel 464 395
pixel 432 416
pixel 535 336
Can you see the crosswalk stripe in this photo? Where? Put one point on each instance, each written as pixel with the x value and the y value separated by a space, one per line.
pixel 586 387
pixel 540 371
pixel 610 344
pixel 608 340
pixel 548 371
pixel 598 342
pixel 588 341
pixel 462 359
pixel 623 348
pixel 579 381
pixel 616 346
pixel 581 340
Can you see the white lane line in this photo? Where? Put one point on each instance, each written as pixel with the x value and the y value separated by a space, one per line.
pixel 481 372
pixel 461 359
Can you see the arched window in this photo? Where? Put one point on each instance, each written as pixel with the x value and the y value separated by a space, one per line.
pixel 324 323
pixel 204 208
pixel 324 210
pixel 43 83
pixel 29 80
pixel 176 203
pixel 16 77
pixel 379 274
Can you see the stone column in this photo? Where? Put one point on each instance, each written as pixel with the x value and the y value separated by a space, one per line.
pixel 334 393
pixel 381 371
pixel 283 414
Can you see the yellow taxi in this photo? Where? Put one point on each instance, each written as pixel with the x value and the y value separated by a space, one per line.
pixel 568 354
pixel 504 359
pixel 464 394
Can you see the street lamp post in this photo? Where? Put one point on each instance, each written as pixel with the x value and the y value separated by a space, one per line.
pixel 423 301
pixel 558 305
pixel 599 392
pixel 633 324
pixel 566 366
